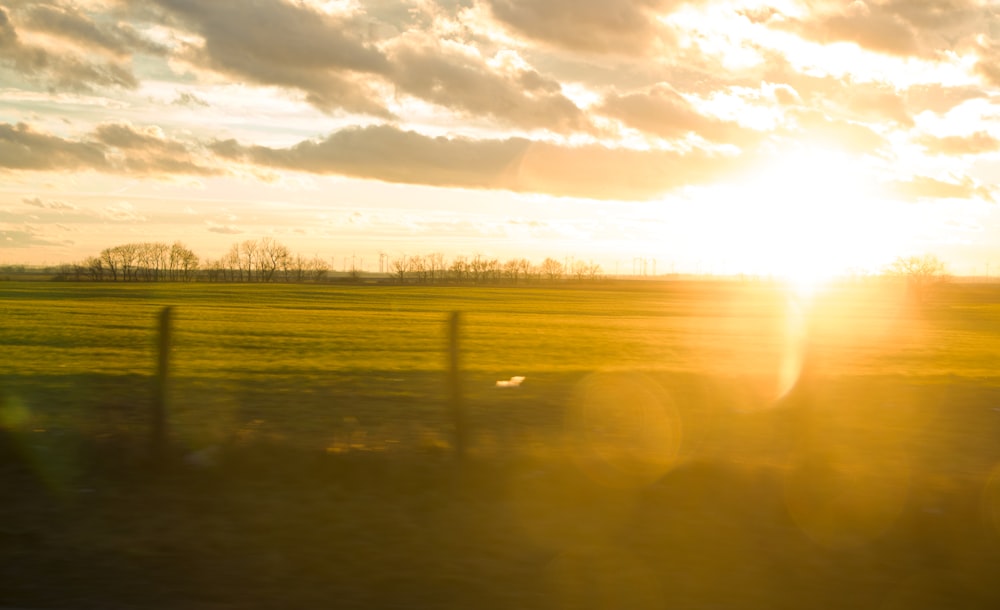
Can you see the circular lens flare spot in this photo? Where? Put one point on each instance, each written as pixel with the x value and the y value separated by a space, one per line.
pixel 842 498
pixel 623 429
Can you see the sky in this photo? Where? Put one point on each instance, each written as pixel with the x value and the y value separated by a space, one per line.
pixel 803 138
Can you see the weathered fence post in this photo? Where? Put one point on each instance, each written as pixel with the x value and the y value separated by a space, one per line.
pixel 159 425
pixel 455 384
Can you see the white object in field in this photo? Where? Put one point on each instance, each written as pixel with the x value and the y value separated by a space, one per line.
pixel 513 382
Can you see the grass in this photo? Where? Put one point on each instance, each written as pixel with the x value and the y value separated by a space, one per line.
pixel 677 444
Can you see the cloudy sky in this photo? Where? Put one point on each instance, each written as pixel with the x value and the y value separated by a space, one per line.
pixel 778 136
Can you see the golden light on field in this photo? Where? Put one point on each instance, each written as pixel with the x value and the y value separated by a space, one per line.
pixel 626 430
pixel 845 497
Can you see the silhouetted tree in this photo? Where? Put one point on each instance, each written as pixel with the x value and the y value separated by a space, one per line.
pixel 435 266
pixel 94 267
pixel 459 269
pixel 182 263
pixel 270 256
pixel 552 269
pixel 593 270
pixel 399 267
pixel 513 269
pixel 919 272
pixel 318 268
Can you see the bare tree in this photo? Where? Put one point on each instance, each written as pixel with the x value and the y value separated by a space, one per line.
pixel 270 257
pixel 120 261
pixel 152 258
pixel 593 271
pixel 399 267
pixel 459 269
pixel 246 257
pixel 109 263
pixel 296 268
pixel 552 269
pixel 95 268
pixel 231 264
pixel 127 260
pixel 182 262
pixel 512 270
pixel 435 266
pixel 484 270
pixel 318 268
pixel 494 270
pixel 919 272
pixel 215 270
pixel 419 268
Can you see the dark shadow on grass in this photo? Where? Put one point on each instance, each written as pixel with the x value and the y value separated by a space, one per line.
pixel 783 506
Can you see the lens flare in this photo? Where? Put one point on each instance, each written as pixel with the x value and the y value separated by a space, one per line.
pixel 624 429
pixel 793 353
pixel 843 498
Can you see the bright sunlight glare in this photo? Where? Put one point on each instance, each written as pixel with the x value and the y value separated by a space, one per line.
pixel 809 216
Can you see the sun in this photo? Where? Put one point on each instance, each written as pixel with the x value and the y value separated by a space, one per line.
pixel 810 215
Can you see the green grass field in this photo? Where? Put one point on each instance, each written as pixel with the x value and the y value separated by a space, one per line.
pixel 673 445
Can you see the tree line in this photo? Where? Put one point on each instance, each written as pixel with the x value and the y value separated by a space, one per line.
pixel 479 269
pixel 267 260
pixel 147 261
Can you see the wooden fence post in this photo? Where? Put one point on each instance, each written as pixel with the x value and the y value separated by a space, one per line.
pixel 455 384
pixel 159 423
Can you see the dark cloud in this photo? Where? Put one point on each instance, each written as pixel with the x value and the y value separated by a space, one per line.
pixel 114 148
pixel 58 69
pixel 882 32
pixel 464 83
pixel 271 42
pixel 69 23
pixel 516 164
pixel 148 152
pixel 384 55
pixel 662 111
pixel 23 148
pixel 389 154
pixel 334 63
pixel 974 144
pixel 627 27
pixel 906 28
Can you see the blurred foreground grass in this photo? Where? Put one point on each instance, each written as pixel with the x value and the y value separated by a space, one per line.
pixel 674 445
